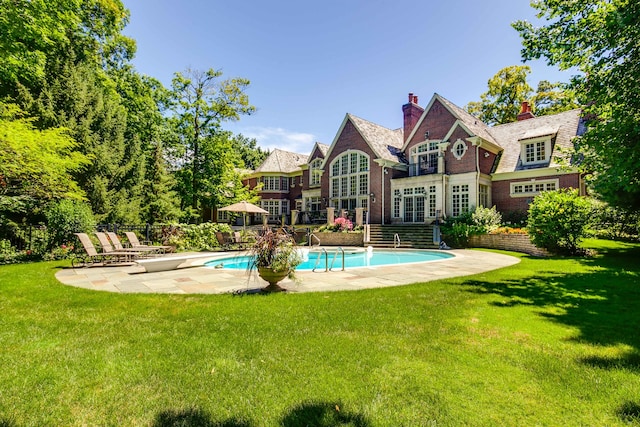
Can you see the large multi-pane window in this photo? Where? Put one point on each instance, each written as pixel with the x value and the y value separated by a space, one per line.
pixel 424 159
pixel 276 208
pixel 349 181
pixel 483 195
pixel 460 199
pixel 275 183
pixel 432 201
pixel 397 199
pixel 315 173
pixel 535 151
pixel 531 188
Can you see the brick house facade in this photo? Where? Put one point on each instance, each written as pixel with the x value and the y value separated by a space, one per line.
pixel 441 163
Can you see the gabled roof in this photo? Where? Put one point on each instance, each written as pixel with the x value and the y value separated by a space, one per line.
pixel 280 161
pixel 319 148
pixel 564 126
pixel 384 142
pixel 471 123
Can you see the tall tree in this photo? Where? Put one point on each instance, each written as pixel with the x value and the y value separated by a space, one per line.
pixel 509 88
pixel 35 166
pixel 252 155
pixel 32 32
pixel 202 101
pixel 601 39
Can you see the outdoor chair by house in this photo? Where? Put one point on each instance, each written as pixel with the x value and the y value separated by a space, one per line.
pixel 117 245
pixel 108 250
pixel 237 239
pixel 224 239
pixel 135 243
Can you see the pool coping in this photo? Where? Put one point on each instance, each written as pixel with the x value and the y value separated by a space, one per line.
pixel 197 279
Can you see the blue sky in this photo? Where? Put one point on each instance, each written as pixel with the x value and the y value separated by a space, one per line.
pixel 310 63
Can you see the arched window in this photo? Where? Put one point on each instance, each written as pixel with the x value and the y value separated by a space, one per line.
pixel 349 181
pixel 315 172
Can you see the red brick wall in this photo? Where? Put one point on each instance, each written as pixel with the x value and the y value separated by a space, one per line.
pixel 438 122
pixel 505 203
pixel 350 138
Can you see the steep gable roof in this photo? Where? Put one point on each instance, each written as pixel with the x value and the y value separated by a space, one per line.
pixel 383 141
pixel 471 123
pixel 564 126
pixel 280 161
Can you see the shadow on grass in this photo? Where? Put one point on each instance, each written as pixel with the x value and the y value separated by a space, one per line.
pixel 4 422
pixel 194 418
pixel 322 414
pixel 629 412
pixel 603 304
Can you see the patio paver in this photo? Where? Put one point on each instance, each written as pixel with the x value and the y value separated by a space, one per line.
pixel 207 280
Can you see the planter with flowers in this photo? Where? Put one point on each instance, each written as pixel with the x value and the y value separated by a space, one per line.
pixel 274 256
pixel 341 233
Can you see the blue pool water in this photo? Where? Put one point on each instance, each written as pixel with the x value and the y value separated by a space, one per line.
pixel 361 258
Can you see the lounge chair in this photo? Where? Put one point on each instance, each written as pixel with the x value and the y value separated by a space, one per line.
pixel 135 243
pixel 117 245
pixel 237 239
pixel 91 255
pixel 225 240
pixel 108 250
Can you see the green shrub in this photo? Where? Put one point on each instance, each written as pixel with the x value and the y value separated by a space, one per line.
pixel 615 223
pixel 66 217
pixel 197 237
pixel 456 231
pixel 487 219
pixel 559 220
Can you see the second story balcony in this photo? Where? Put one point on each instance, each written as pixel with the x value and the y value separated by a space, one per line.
pixel 419 169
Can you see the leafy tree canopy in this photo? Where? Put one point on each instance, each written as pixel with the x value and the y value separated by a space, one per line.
pixel 36 164
pixel 509 88
pixel 601 40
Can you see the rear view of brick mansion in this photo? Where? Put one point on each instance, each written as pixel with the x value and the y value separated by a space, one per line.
pixel 441 163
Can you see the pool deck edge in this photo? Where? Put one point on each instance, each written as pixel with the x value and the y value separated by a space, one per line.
pixel 196 279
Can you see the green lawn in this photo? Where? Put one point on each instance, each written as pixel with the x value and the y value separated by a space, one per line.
pixel 545 342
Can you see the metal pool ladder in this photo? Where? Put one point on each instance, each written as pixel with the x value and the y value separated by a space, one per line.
pixel 326 259
pixel 396 241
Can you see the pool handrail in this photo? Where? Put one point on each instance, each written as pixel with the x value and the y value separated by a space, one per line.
pixel 326 260
pixel 396 241
pixel 335 254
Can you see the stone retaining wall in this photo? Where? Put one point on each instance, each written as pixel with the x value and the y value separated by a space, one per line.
pixel 340 239
pixel 507 242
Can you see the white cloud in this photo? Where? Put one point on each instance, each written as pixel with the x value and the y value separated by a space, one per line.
pixel 270 138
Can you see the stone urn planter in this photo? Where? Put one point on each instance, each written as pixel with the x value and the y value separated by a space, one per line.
pixel 275 256
pixel 273 277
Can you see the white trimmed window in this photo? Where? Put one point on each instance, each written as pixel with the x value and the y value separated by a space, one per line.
pixel 315 173
pixel 349 181
pixel 424 159
pixel 460 199
pixel 275 183
pixel 483 195
pixel 458 149
pixel 535 151
pixel 432 201
pixel 533 187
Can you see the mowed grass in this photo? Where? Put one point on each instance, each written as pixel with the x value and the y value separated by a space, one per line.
pixel 545 342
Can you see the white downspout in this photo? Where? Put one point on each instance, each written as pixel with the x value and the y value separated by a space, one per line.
pixel 382 207
pixel 478 173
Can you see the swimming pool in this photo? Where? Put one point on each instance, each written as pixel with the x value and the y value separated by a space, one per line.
pixel 352 258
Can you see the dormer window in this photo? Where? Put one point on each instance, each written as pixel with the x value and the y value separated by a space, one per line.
pixel 535 146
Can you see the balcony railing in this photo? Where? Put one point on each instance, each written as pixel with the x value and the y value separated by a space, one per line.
pixel 419 169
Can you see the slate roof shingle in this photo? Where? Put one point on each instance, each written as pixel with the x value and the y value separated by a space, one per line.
pixel 280 161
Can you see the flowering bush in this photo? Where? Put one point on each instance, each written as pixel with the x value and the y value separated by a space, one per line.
pixel 508 230
pixel 340 225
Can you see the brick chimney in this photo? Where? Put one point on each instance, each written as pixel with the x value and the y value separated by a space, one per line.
pixel 412 113
pixel 525 112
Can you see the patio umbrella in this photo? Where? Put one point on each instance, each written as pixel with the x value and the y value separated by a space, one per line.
pixel 244 207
